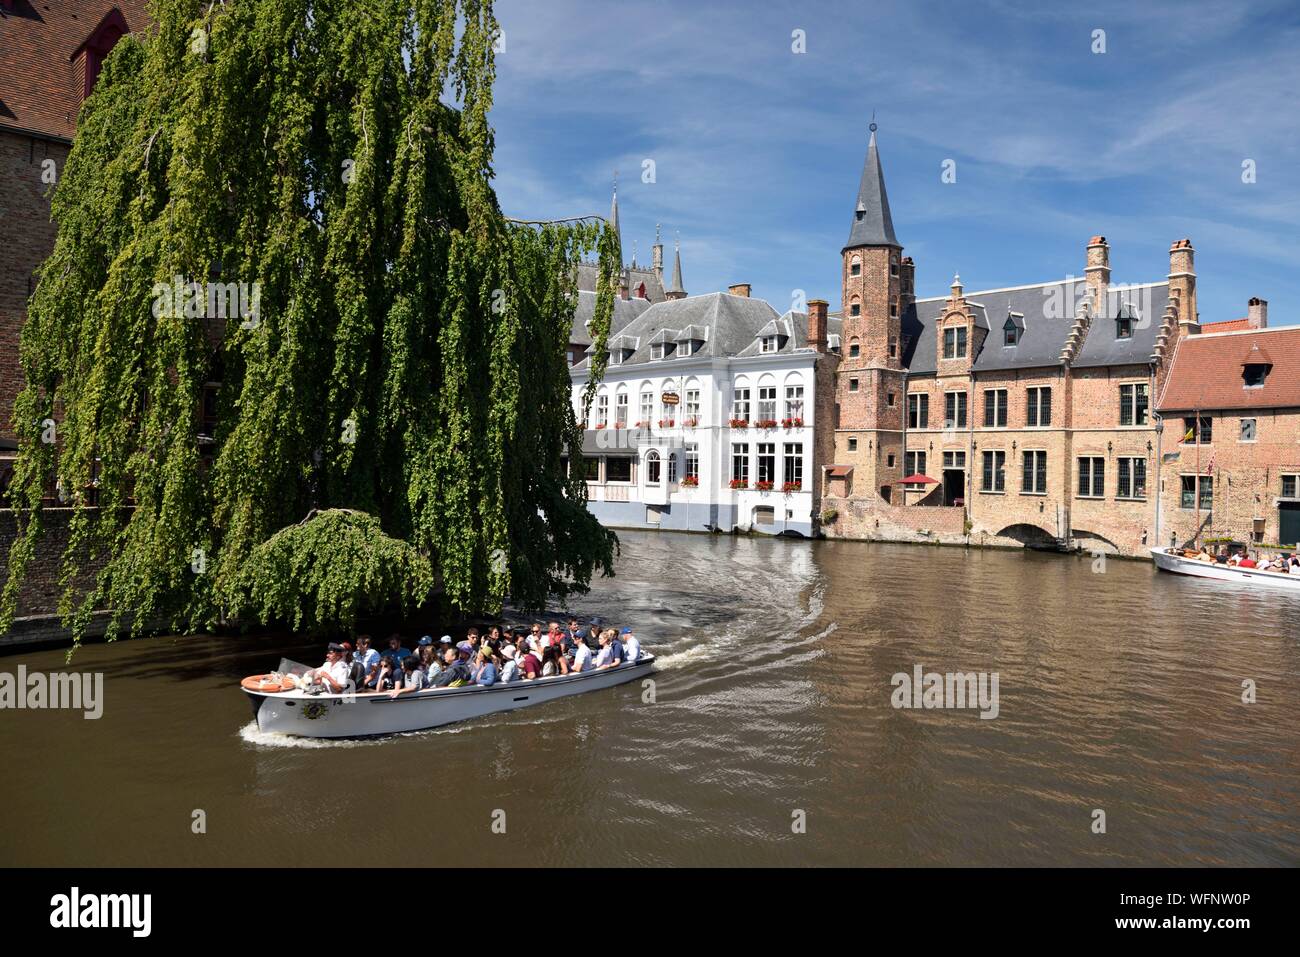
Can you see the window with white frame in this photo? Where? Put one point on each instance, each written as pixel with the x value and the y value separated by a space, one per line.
pixel 1188 497
pixel 1133 400
pixel 693 461
pixel 1291 485
pixel 652 467
pixel 740 405
pixel 794 402
pixel 767 403
pixel 620 409
pixel 602 411
pixel 739 463
pixel 672 468
pixel 793 464
pixel 769 344
pixel 692 410
pixel 766 455
pixel 647 407
pixel 954 342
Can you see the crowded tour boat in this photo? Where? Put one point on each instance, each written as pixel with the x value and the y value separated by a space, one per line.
pixel 1280 570
pixel 362 691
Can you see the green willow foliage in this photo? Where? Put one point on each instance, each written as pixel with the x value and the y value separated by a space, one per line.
pixel 406 358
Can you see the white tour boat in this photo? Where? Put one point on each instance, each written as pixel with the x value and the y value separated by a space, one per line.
pixel 367 715
pixel 1173 560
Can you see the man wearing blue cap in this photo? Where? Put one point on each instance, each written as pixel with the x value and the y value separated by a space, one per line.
pixel 631 647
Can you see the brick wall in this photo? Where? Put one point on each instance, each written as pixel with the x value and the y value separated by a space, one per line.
pixel 27 239
pixel 41 589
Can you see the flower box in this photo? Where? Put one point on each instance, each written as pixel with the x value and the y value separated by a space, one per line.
pixel 690 423
pixel 765 424
pixel 739 423
pixel 644 424
pixel 690 481
pixel 789 487
pixel 792 423
pixel 600 425
pixel 763 486
pixel 666 423
pixel 739 483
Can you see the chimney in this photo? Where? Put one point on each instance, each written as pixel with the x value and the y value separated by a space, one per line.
pixel 817 324
pixel 1182 286
pixel 906 281
pixel 739 289
pixel 1096 273
pixel 624 284
pixel 1257 313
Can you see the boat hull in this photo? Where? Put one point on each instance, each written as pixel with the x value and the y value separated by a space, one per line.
pixel 370 715
pixel 1168 561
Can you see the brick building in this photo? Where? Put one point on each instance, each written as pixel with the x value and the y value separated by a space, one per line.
pixel 50 57
pixel 1230 466
pixel 1022 415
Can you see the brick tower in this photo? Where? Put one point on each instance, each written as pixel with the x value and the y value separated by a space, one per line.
pixel 871 380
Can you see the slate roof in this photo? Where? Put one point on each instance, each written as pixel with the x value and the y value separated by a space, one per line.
pixel 1207 371
pixel 793 327
pixel 625 310
pixel 1046 316
pixel 730 323
pixel 40 80
pixel 588 273
pixel 872 224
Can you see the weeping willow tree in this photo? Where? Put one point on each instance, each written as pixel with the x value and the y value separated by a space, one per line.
pixel 278 217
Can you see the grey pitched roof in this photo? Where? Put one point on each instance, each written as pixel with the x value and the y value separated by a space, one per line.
pixel 794 327
pixel 1046 316
pixel 625 310
pixel 588 273
pixel 872 224
pixel 730 323
pixel 1145 306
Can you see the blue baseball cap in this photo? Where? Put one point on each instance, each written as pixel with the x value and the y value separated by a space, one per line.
pixel 426 640
pixel 626 631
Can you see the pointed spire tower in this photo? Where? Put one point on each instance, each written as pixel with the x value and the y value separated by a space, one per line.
pixel 613 213
pixel 676 290
pixel 871 379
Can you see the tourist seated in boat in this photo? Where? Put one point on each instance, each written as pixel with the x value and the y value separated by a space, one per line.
pixel 455 671
pixel 553 662
pixel 389 676
pixel 583 657
pixel 410 677
pixel 509 667
pixel 333 674
pixel 365 662
pixel 611 650
pixel 485 670
pixel 530 663
pixel 631 647
pixel 1234 559
pixel 1247 562
pixel 430 660
pixel 395 647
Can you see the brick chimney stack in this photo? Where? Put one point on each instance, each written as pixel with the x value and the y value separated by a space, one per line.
pixel 739 289
pixel 1182 286
pixel 1097 273
pixel 817 324
pixel 1257 313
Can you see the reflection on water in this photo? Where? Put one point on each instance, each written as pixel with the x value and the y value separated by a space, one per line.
pixel 1119 691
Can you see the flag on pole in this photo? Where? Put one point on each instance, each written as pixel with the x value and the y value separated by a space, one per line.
pixel 1188 436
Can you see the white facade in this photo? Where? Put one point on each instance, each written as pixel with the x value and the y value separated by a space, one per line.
pixel 649 450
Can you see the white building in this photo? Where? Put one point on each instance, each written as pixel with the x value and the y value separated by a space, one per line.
pixel 705 418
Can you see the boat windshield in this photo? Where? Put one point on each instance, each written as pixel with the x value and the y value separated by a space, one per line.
pixel 290 667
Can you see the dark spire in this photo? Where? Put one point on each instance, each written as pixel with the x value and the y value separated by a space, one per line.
pixel 676 290
pixel 872 224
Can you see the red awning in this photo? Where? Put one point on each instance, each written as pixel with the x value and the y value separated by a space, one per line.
pixel 917 480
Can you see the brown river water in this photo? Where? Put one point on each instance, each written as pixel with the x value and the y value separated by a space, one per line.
pixel 1119 691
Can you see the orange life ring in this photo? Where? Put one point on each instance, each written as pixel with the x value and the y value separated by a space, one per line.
pixel 266 684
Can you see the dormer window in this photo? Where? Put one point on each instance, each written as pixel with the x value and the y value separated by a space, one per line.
pixel 860 212
pixel 1123 328
pixel 687 348
pixel 1010 332
pixel 662 350
pixel 770 344
pixel 1253 375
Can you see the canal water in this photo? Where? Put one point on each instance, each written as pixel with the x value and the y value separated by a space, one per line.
pixel 770 740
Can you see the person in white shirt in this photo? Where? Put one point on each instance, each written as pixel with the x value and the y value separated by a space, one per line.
pixel 606 653
pixel 582 654
pixel 631 647
pixel 510 670
pixel 334 673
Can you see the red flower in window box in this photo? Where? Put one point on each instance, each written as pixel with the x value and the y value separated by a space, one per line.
pixel 691 422
pixel 691 481
pixel 739 423
pixel 600 425
pixel 765 424
pixel 642 424
pixel 739 483
pixel 763 485
pixel 789 487
pixel 666 423
pixel 792 423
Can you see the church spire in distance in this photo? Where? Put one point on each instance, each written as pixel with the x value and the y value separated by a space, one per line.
pixel 872 224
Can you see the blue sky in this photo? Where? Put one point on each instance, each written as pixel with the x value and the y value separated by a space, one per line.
pixel 758 150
